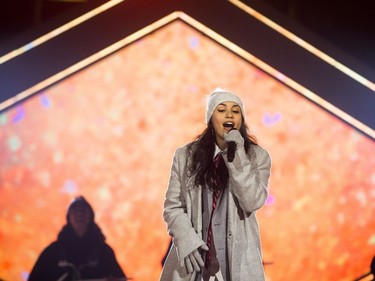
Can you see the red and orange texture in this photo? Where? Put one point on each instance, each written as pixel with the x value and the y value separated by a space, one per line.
pixel 109 133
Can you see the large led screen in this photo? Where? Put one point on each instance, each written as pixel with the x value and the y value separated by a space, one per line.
pixel 109 132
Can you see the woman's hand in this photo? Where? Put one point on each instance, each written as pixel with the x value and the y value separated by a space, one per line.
pixel 235 136
pixel 194 261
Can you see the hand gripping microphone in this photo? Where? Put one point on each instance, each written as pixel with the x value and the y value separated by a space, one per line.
pixel 231 144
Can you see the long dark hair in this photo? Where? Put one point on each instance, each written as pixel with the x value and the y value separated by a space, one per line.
pixel 202 152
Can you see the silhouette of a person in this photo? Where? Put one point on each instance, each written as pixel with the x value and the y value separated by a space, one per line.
pixel 80 251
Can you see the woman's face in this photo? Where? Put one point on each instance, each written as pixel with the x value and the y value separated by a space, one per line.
pixel 226 113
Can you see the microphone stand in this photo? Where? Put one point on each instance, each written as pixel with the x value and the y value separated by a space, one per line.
pixel 76 274
pixel 371 272
pixel 363 276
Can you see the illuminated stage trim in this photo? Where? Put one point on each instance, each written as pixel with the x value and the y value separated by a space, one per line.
pixel 210 33
pixel 58 31
pixel 308 47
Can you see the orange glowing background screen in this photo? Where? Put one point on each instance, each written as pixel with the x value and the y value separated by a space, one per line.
pixel 109 132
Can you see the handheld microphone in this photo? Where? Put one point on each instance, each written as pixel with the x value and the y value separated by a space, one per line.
pixel 231 144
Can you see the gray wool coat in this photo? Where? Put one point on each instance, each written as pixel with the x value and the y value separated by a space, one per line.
pixel 248 188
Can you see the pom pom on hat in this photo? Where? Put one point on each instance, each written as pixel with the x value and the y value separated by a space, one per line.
pixel 218 96
pixel 80 201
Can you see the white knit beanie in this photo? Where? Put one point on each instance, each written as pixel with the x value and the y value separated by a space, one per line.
pixel 218 96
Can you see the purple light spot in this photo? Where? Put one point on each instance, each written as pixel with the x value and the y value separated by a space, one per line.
pixel 24 275
pixel 194 42
pixel 45 101
pixel 19 114
pixel 270 200
pixel 69 187
pixel 271 119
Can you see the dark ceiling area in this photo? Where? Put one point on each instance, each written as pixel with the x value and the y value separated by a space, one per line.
pixel 350 26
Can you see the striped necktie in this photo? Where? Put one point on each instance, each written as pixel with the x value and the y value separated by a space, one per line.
pixel 215 198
